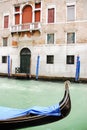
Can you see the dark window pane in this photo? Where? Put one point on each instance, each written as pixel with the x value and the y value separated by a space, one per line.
pixel 17 9
pixel 50 59
pixel 4 59
pixel 70 59
pixel 37 5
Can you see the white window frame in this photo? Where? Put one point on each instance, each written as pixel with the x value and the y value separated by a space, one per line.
pixel 19 12
pixel 72 61
pixel 5 61
pixel 50 6
pixel 38 9
pixel 50 62
pixel 6 43
pixel 6 14
pixel 66 37
pixel 54 39
pixel 70 4
pixel 21 9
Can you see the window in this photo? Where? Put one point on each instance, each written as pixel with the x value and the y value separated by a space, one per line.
pixel 71 37
pixel 6 21
pixel 37 5
pixel 17 19
pixel 70 59
pixel 50 38
pixel 37 16
pixel 51 15
pixel 27 14
pixel 37 12
pixel 4 59
pixel 5 41
pixel 17 9
pixel 17 15
pixel 71 12
pixel 50 59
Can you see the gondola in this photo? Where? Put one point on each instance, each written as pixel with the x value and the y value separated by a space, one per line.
pixel 12 119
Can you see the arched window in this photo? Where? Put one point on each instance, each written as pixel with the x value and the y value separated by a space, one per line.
pixel 27 14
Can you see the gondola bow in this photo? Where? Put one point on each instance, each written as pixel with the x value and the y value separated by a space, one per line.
pixel 11 119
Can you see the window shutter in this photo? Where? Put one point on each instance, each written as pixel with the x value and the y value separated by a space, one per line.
pixel 51 15
pixel 6 20
pixel 71 12
pixel 27 14
pixel 37 16
pixel 17 18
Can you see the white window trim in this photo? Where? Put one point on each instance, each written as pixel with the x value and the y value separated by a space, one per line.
pixel 20 12
pixel 71 4
pixel 74 59
pixel 38 9
pixel 66 38
pixel 50 6
pixel 54 39
pixel 21 9
pixel 7 41
pixel 6 14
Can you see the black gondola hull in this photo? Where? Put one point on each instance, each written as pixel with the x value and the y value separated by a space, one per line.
pixel 36 120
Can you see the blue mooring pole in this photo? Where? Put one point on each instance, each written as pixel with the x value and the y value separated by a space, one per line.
pixel 8 65
pixel 77 69
pixel 37 66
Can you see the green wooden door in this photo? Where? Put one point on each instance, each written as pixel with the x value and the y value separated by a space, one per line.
pixel 25 56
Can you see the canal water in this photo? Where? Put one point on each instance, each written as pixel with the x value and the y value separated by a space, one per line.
pixel 27 93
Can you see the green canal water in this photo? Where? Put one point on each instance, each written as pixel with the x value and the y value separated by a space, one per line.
pixel 27 93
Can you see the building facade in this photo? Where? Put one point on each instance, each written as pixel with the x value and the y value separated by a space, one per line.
pixel 54 30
